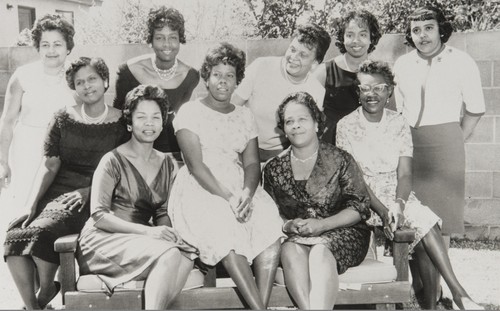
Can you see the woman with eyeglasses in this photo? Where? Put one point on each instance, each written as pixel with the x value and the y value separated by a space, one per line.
pixel 380 141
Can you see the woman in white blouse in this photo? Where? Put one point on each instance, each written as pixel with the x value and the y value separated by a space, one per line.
pixel 434 83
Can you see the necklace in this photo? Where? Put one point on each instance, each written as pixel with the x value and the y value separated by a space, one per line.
pixel 287 76
pixel 164 74
pixel 94 120
pixel 347 65
pixel 312 156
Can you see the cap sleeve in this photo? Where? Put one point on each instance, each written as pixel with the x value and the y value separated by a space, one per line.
pixel 187 117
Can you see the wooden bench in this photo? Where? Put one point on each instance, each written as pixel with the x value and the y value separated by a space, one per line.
pixel 208 296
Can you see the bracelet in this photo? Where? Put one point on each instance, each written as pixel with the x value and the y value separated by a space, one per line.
pixel 402 201
pixel 284 225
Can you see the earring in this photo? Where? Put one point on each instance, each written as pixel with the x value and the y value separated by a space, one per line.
pixel 129 128
pixel 106 84
pixel 150 45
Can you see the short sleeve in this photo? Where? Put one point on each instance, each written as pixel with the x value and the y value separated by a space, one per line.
pixel 341 139
pixel 53 136
pixel 106 178
pixel 245 89
pixel 472 91
pixel 125 82
pixel 406 149
pixel 251 124
pixel 187 118
pixel 354 193
pixel 398 94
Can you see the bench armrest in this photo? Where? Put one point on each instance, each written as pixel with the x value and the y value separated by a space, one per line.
pixel 400 249
pixel 66 247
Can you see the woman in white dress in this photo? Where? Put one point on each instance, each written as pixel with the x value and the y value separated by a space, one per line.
pixel 216 202
pixel 34 93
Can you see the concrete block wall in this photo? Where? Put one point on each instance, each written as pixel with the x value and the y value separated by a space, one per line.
pixel 482 214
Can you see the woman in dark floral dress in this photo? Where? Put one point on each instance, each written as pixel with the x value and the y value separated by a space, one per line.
pixel 321 194
pixel 77 138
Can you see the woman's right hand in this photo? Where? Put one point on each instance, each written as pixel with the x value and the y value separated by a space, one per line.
pixel 164 233
pixel 387 222
pixel 17 221
pixel 4 175
pixel 293 226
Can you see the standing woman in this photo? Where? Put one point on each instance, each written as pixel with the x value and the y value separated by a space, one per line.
pixel 77 138
pixel 162 68
pixel 216 202
pixel 357 36
pixel 434 82
pixel 34 93
pixel 269 79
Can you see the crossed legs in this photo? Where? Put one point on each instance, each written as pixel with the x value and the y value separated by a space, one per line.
pixel 310 275
pixel 432 260
pixel 22 269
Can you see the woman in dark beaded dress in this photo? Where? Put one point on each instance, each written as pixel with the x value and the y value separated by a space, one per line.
pixel 357 36
pixel 162 68
pixel 77 138
pixel 323 199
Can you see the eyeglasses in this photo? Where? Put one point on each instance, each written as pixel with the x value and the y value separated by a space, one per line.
pixel 378 88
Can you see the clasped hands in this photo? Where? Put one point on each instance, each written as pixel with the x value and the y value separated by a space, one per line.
pixel 304 227
pixel 241 206
pixel 393 219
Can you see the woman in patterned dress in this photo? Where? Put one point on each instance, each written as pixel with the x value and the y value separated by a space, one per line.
pixel 77 138
pixel 380 141
pixel 216 202
pixel 321 194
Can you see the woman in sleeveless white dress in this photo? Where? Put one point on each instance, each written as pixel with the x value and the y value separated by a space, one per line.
pixel 35 92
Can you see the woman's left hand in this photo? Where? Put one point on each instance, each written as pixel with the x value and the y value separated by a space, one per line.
pixel 244 208
pixel 310 227
pixel 76 200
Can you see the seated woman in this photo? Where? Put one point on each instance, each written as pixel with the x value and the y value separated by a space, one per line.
pixel 380 141
pixel 77 138
pixel 321 194
pixel 131 186
pixel 216 203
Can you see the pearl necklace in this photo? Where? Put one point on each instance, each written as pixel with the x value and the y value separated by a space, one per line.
pixel 94 120
pixel 165 74
pixel 312 156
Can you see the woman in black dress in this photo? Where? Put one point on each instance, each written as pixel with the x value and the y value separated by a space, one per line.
pixel 58 205
pixel 162 68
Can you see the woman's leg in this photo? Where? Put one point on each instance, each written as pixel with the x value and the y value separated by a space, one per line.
pixel 265 266
pixel 238 268
pixel 324 278
pixel 22 269
pixel 47 273
pixel 429 276
pixel 295 261
pixel 437 251
pixel 161 283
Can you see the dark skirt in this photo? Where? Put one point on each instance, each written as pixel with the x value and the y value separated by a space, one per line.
pixel 439 172
pixel 38 238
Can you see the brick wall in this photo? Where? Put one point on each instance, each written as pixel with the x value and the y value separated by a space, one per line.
pixel 482 150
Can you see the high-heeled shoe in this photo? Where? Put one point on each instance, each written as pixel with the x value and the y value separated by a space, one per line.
pixel 466 304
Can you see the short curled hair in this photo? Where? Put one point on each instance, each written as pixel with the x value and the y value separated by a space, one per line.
pixel 314 36
pixel 372 67
pixel 362 18
pixel 226 54
pixel 165 17
pixel 145 92
pixel 50 22
pixel 307 100
pixel 428 13
pixel 95 62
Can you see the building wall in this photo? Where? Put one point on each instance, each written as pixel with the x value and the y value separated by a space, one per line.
pixel 482 150
pixel 9 21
